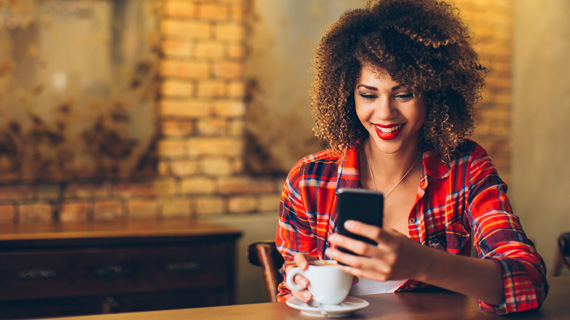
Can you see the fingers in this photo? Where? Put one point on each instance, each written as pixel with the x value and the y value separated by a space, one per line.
pixel 365 230
pixel 303 295
pixel 356 246
pixel 301 261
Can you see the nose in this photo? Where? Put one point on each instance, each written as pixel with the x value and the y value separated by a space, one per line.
pixel 384 108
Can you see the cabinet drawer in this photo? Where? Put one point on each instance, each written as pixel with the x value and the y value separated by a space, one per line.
pixel 111 271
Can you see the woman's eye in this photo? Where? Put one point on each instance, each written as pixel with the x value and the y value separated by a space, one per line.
pixel 368 96
pixel 404 96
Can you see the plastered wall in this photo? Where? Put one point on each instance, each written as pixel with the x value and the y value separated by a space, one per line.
pixel 540 184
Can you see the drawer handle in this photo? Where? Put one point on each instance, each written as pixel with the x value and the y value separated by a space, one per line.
pixel 112 271
pixel 38 273
pixel 185 267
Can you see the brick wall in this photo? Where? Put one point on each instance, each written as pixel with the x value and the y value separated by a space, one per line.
pixel 202 113
pixel 491 21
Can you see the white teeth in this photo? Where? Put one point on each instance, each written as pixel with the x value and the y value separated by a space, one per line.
pixel 388 130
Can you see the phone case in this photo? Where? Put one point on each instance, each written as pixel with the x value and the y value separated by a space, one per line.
pixel 359 204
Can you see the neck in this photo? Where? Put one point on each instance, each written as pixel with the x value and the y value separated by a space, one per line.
pixel 389 166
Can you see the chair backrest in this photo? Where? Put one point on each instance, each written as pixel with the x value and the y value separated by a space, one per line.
pixel 562 253
pixel 265 255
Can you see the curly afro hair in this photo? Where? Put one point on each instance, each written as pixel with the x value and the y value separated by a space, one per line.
pixel 422 44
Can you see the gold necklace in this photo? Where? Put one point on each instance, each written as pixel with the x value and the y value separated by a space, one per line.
pixel 402 179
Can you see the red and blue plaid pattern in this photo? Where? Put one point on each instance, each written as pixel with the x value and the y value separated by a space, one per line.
pixel 454 200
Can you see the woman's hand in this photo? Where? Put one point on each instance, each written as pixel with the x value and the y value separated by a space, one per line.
pixel 395 257
pixel 302 261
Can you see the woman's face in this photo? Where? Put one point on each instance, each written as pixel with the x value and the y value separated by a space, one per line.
pixel 391 113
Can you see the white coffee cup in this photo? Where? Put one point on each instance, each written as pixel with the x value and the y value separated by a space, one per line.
pixel 327 282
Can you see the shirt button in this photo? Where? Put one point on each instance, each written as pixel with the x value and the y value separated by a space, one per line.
pixel 412 220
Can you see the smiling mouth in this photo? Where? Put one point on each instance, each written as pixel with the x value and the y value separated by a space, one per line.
pixel 390 128
pixel 388 132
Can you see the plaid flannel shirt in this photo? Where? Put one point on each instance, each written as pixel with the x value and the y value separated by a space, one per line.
pixel 454 200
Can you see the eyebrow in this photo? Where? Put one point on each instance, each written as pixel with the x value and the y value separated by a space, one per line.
pixel 376 89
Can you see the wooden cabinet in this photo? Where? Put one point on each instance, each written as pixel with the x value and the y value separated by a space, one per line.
pixel 72 268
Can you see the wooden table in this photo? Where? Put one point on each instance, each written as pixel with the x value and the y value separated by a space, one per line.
pixel 412 305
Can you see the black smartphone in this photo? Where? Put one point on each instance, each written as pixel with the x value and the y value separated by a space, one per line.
pixel 363 205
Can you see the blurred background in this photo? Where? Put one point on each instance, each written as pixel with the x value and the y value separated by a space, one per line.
pixel 197 109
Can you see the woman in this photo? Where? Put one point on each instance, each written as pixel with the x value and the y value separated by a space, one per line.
pixel 394 93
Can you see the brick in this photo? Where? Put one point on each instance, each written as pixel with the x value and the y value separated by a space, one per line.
pixel 186 29
pixel 35 212
pixel 177 48
pixel 177 88
pixel 215 146
pixel 16 192
pixel 185 69
pixel 210 205
pixel 108 210
pixel 236 89
pixel 197 185
pixel 211 88
pixel 242 204
pixel 212 11
pixel 188 108
pixel 134 189
pixel 236 185
pixel 229 108
pixel 229 69
pixel 499 83
pixel 180 9
pixel 269 203
pixel 87 190
pixel 7 214
pixel 236 127
pixel 210 49
pixel 74 211
pixel 237 14
pixel 166 186
pixel 216 166
pixel 177 128
pixel 172 148
pixel 236 51
pixel 176 207
pixel 142 209
pixel 211 127
pixel 230 31
pixel 238 165
pixel 164 168
pixel 181 168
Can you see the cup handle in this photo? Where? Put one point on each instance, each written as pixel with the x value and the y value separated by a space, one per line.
pixel 291 276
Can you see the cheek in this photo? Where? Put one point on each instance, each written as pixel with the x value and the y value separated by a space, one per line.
pixel 363 112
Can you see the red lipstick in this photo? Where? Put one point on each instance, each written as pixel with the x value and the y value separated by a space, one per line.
pixel 388 132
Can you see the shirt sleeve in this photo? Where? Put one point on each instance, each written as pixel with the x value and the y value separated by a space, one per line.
pixel 294 231
pixel 498 236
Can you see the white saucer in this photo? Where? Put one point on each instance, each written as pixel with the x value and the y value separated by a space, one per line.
pixel 344 309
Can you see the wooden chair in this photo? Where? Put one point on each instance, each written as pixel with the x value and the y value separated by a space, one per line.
pixel 562 254
pixel 265 255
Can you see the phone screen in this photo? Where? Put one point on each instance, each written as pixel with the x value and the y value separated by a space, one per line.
pixel 362 205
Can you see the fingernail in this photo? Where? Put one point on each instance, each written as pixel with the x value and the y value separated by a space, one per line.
pixel 332 237
pixel 349 224
pixel 307 295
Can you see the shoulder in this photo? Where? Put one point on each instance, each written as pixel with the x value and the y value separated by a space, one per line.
pixel 472 155
pixel 316 165
pixel 475 160
pixel 469 148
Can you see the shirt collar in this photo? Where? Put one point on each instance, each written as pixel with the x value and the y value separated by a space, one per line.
pixel 349 169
